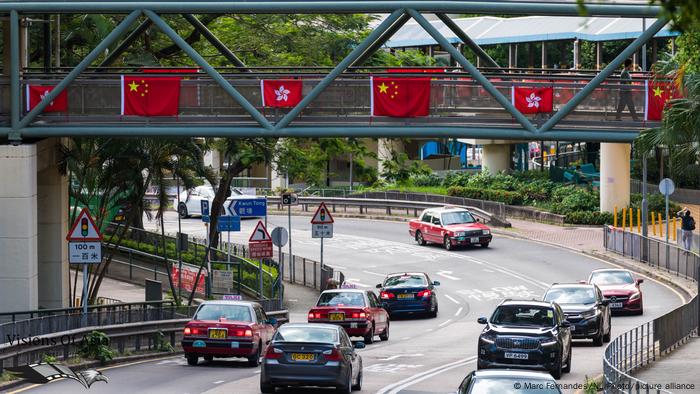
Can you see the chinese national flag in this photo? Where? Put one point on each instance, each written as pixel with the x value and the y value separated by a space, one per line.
pixel 37 93
pixel 533 100
pixel 400 97
pixel 658 95
pixel 150 96
pixel 281 93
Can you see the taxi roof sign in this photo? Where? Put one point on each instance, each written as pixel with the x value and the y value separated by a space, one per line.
pixel 84 228
pixel 260 234
pixel 322 215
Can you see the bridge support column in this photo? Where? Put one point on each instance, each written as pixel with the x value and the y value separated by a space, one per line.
pixel 614 176
pixel 496 157
pixel 52 205
pixel 18 228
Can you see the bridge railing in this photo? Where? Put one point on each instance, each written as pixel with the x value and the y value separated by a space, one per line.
pixel 642 345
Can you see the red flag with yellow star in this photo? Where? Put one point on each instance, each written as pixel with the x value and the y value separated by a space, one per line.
pixel 400 97
pixel 658 94
pixel 150 96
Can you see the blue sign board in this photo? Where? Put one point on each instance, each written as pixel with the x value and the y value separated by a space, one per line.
pixel 205 207
pixel 205 219
pixel 229 223
pixel 252 207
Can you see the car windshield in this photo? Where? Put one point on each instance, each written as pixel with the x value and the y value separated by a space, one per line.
pixel 341 299
pixel 523 315
pixel 406 281
pixel 306 334
pixel 228 312
pixel 612 278
pixel 571 295
pixel 457 217
pixel 514 385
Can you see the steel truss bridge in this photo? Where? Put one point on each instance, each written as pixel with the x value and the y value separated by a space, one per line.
pixel 466 103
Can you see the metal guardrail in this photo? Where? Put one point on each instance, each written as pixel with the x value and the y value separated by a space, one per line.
pixel 642 345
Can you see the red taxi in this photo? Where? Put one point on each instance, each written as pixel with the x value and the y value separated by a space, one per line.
pixel 359 312
pixel 621 288
pixel 227 329
pixel 450 227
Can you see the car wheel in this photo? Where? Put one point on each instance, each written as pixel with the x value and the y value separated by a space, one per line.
pixel 419 238
pixel 606 337
pixel 598 340
pixel 384 336
pixel 208 358
pixel 567 369
pixel 182 211
pixel 254 360
pixel 192 359
pixel 358 383
pixel 369 338
pixel 556 372
pixel 434 313
pixel 347 387
pixel 486 245
pixel 265 387
pixel 447 243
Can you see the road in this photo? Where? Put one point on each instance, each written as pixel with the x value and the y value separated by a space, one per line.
pixel 422 355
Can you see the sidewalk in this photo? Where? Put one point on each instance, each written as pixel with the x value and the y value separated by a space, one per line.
pixel 678 368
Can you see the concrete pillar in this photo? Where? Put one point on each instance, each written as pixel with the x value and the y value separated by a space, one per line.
pixel 52 207
pixel 543 55
pixel 577 55
pixel 18 228
pixel 598 55
pixel 614 176
pixel 496 157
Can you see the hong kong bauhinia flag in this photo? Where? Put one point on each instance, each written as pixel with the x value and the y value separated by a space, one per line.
pixel 531 100
pixel 150 96
pixel 281 93
pixel 658 95
pixel 37 93
pixel 400 97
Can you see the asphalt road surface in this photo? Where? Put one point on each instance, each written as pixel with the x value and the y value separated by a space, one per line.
pixel 423 355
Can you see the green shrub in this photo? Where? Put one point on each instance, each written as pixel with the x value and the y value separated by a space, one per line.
pixel 426 180
pixel 504 196
pixel 96 346
pixel 589 218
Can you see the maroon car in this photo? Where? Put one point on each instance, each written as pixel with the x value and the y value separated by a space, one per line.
pixel 227 329
pixel 359 312
pixel 621 288
pixel 450 227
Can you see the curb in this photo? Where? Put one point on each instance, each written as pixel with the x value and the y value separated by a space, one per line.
pixel 96 364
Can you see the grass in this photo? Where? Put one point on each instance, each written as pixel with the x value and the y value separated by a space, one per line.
pixel 409 189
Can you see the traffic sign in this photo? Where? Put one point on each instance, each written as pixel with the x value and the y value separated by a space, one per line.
pixel 322 230
pixel 280 236
pixel 252 207
pixel 204 205
pixel 84 229
pixel 229 223
pixel 85 252
pixel 289 199
pixel 260 234
pixel 260 242
pixel 322 215
pixel 666 187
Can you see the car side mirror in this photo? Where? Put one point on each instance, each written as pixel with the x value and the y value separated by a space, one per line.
pixel 639 281
pixel 478 220
pixel 359 345
pixel 436 283
pixel 272 321
pixel 565 324
pixel 605 301
pixel 379 286
pixel 482 320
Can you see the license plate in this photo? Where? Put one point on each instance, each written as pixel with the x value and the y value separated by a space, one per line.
pixel 404 296
pixel 516 356
pixel 235 345
pixel 616 305
pixel 475 240
pixel 199 343
pixel 218 333
pixel 353 325
pixel 336 316
pixel 303 357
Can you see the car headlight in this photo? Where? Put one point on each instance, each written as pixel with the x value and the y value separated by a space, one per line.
pixel 591 313
pixel 548 342
pixel 635 296
pixel 486 232
pixel 460 234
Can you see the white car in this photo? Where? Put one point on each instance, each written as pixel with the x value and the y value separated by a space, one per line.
pixel 191 200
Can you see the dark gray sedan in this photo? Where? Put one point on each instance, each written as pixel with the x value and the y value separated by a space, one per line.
pixel 303 354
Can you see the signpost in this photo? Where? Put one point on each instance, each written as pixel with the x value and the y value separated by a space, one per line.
pixel 666 187
pixel 322 226
pixel 84 247
pixel 250 207
pixel 260 247
pixel 279 239
pixel 290 199
pixel 204 205
pixel 228 224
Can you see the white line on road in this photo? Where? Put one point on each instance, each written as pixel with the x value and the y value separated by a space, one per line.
pixel 405 338
pixel 430 329
pixel 445 322
pixel 219 381
pixel 458 311
pixel 374 273
pixel 451 299
pixel 446 274
pixel 402 384
pixel 335 267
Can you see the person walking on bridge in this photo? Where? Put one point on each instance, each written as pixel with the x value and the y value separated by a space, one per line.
pixel 626 92
pixel 687 227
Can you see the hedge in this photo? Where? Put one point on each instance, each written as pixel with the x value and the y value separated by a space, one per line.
pixel 588 217
pixel 504 196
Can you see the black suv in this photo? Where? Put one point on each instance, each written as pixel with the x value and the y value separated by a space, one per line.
pixel 585 308
pixel 526 334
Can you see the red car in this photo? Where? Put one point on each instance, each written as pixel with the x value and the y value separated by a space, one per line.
pixel 227 329
pixel 620 287
pixel 359 312
pixel 449 226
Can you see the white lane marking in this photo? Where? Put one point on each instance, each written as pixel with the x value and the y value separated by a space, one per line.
pixel 447 274
pixel 374 273
pixel 487 270
pixel 405 338
pixel 445 322
pixel 458 311
pixel 451 299
pixel 429 330
pixel 355 282
pixel 394 357
pixel 293 300
pixel 338 267
pixel 219 381
pixel 400 385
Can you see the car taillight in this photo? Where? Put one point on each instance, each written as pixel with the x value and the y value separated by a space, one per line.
pixel 359 315
pixel 187 331
pixel 314 315
pixel 385 295
pixel 425 293
pixel 242 333
pixel 273 353
pixel 332 355
pixel 191 331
